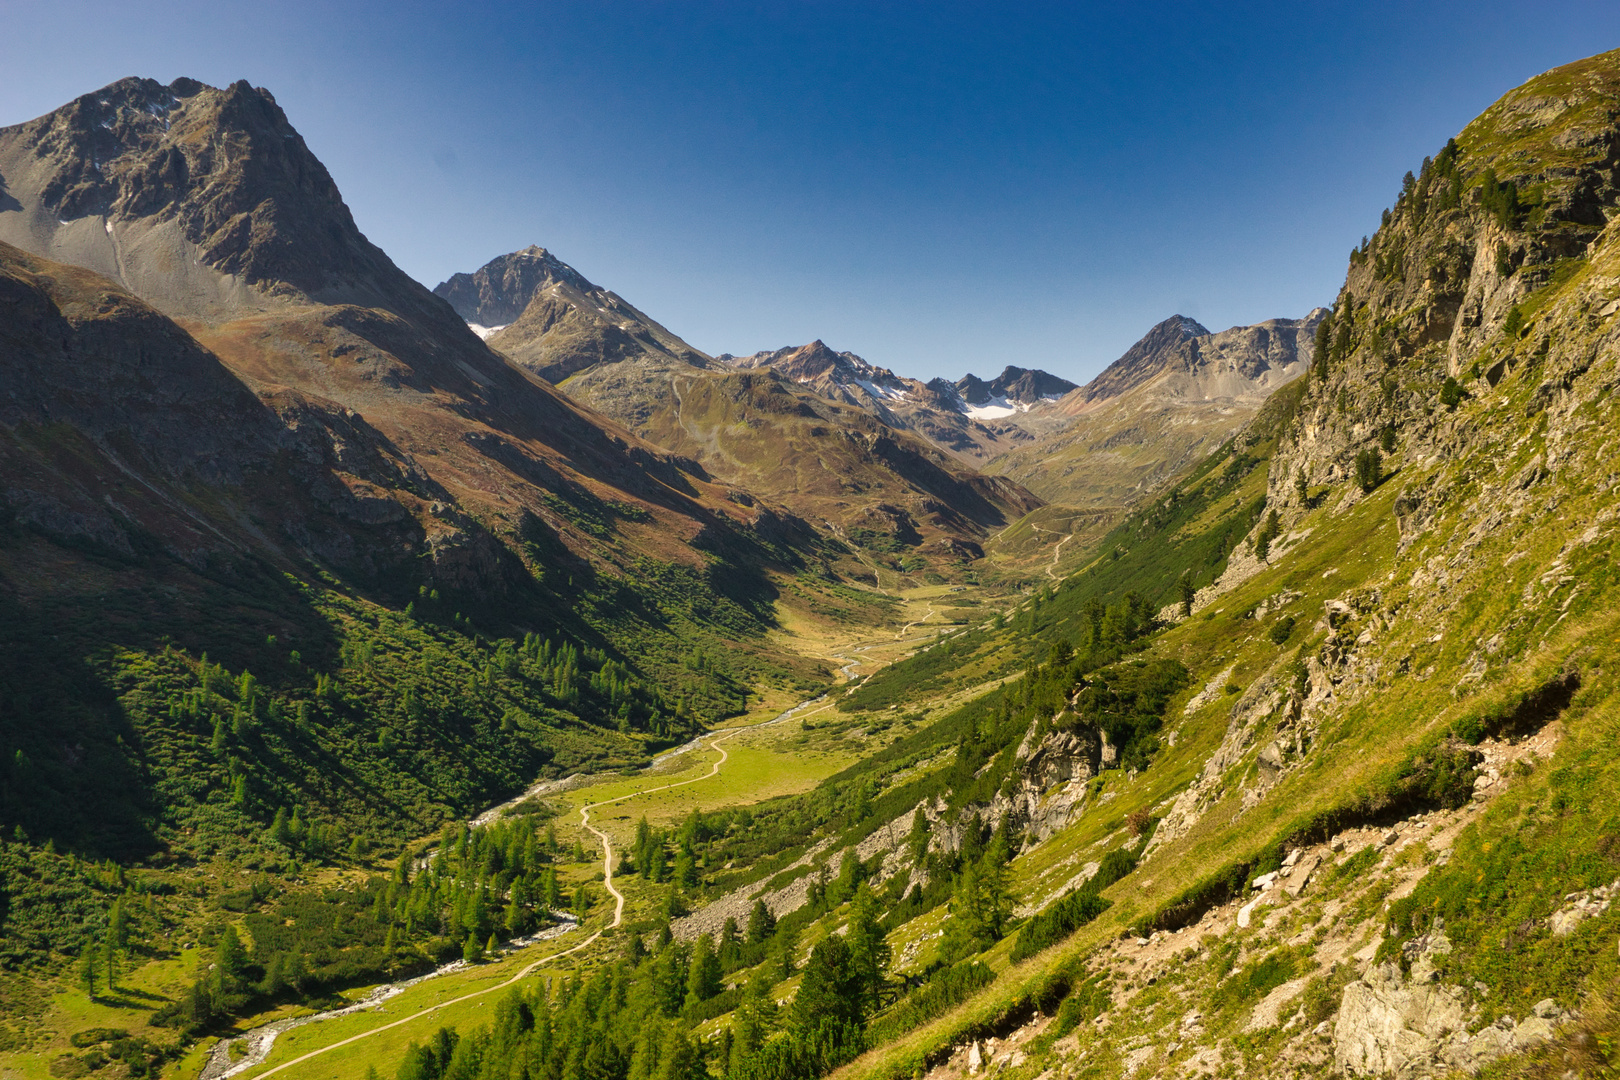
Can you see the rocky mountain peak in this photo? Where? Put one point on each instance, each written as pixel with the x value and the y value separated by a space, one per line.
pixel 549 319
pixel 496 293
pixel 200 199
pixel 1145 359
pixel 809 363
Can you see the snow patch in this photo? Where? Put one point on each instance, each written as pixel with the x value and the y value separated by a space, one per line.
pixel 881 391
pixel 995 408
pixel 486 332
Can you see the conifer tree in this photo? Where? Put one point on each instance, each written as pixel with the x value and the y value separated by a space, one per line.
pixel 761 923
pixel 703 972
pixel 87 970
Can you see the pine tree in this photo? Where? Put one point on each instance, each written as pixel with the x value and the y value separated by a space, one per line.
pixel 917 839
pixel 761 923
pixel 87 970
pixel 869 948
pixel 830 994
pixel 1369 469
pixel 118 924
pixel 1189 592
pixel 679 1060
pixel 280 832
pixel 787 947
pixel 703 972
pixel 1324 346
pixel 685 873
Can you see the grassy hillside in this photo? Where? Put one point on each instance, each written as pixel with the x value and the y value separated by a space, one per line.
pixel 1376 779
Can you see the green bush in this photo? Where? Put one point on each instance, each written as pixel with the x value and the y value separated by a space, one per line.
pixel 1281 630
pixel 1077 908
pixel 1084 1004
pixel 1319 1000
pixel 1369 468
pixel 948 987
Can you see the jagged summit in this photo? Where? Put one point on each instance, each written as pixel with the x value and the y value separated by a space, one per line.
pixel 1014 391
pixel 547 317
pixel 1145 359
pixel 495 295
pixel 202 200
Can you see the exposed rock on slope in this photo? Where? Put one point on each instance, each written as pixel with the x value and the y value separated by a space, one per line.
pixel 205 202
pixel 119 430
pixel 1168 402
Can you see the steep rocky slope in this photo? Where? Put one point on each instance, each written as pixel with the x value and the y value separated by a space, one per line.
pixel 1375 834
pixel 207 205
pixel 1166 403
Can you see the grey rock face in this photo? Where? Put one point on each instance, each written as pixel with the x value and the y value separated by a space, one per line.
pixel 200 200
pixel 1391 1024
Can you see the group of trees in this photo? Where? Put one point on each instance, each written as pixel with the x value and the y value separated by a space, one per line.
pixel 102 961
pixel 650 857
pixel 632 1020
pixel 1127 703
pixel 981 902
pixel 478 887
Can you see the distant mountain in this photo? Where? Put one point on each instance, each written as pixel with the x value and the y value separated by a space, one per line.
pixel 840 376
pixel 1158 349
pixel 1173 397
pixel 548 318
pixel 971 418
pixel 1016 390
pixel 815 432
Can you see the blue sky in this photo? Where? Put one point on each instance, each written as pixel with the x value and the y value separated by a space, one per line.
pixel 938 187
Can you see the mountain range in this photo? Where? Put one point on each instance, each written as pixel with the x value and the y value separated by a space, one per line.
pixel 490 646
pixel 1167 403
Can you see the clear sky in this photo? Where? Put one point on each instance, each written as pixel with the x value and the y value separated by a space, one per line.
pixel 939 187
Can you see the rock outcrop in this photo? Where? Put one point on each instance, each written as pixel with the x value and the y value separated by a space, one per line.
pixel 1412 1025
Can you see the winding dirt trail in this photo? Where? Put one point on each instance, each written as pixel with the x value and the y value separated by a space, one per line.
pixel 261 1040
pixel 261 1048
pixel 916 622
pixel 1057 552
